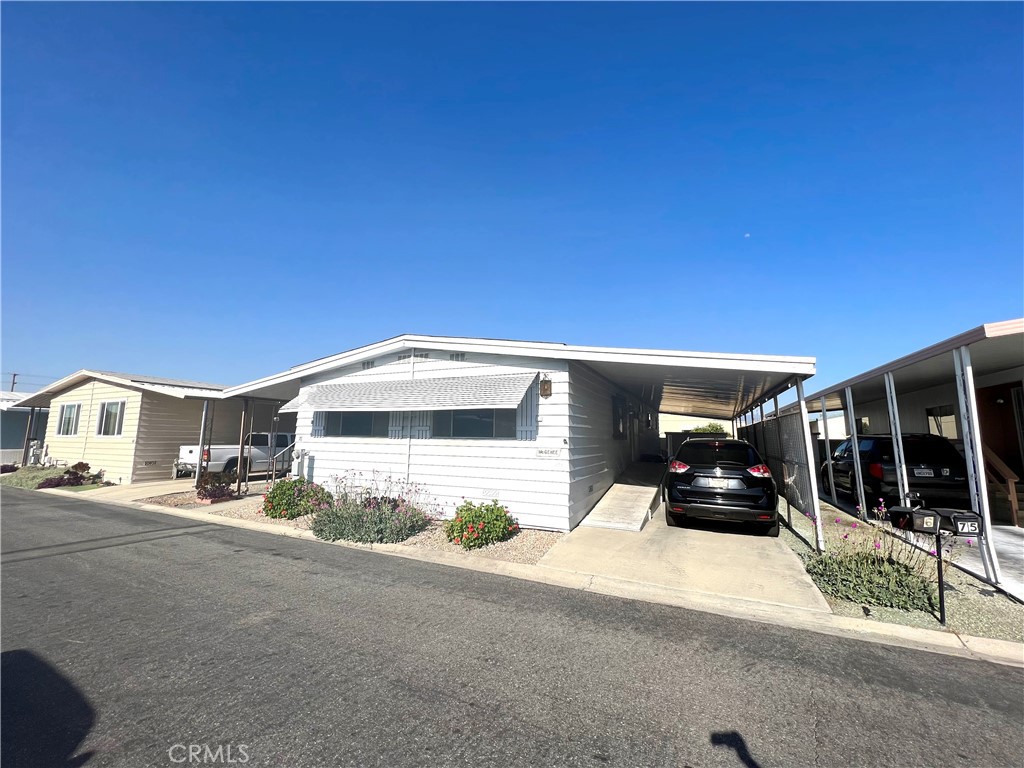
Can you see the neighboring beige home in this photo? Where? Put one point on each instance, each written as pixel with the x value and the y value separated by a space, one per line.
pixel 127 425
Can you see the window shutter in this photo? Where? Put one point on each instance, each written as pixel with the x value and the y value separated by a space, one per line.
pixel 318 423
pixel 526 415
pixel 421 424
pixel 396 424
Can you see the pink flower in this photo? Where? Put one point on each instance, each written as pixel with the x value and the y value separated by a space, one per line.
pixel 878 545
pixel 846 535
pixel 838 520
pixel 931 552
pixel 970 542
pixel 854 525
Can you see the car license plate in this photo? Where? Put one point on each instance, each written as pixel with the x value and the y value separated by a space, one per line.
pixel 924 473
pixel 718 482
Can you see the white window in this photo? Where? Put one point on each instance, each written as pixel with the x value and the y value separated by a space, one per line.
pixel 418 356
pixel 459 357
pixel 68 422
pixel 111 418
pixel 367 364
pixel 942 421
pixel 483 422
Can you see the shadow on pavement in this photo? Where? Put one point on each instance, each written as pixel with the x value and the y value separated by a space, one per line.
pixel 43 716
pixel 732 740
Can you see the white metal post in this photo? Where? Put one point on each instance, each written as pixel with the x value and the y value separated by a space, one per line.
pixel 812 474
pixel 858 472
pixel 897 438
pixel 202 443
pixel 973 452
pixel 828 453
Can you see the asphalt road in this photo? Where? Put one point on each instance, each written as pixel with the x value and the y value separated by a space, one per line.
pixel 129 636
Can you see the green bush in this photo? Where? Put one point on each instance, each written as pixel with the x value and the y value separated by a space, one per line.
pixel 477 525
pixel 865 577
pixel 290 499
pixel 370 520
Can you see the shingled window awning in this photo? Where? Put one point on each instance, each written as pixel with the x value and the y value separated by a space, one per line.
pixel 441 394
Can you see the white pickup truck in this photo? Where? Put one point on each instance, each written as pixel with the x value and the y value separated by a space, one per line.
pixel 224 458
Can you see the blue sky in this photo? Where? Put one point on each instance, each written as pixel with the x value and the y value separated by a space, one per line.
pixel 218 192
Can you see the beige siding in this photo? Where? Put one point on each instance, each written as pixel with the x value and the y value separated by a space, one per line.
pixel 529 476
pixel 114 455
pixel 167 423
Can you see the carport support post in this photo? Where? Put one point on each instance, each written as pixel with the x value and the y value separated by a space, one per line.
pixel 897 438
pixel 812 475
pixel 202 441
pixel 975 461
pixel 241 448
pixel 29 428
pixel 862 511
pixel 828 453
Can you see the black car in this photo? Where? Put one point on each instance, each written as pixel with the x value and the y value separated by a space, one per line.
pixel 935 469
pixel 721 479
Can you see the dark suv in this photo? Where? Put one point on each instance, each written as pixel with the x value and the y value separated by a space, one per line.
pixel 721 479
pixel 935 469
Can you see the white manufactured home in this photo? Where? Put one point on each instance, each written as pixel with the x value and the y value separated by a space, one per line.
pixel 545 428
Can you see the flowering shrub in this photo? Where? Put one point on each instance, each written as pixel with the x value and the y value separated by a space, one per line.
pixel 296 498
pixel 5 468
pixel 378 510
pixel 81 468
pixel 214 486
pixel 477 525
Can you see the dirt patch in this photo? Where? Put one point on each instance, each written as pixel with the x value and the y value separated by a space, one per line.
pixel 527 546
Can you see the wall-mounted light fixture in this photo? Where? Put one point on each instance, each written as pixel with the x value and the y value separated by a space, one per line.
pixel 545 387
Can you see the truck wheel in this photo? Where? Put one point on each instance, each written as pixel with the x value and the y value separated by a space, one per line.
pixel 230 467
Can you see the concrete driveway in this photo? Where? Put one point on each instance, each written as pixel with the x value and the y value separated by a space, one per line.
pixel 712 559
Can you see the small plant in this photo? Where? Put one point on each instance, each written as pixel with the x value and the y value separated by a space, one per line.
pixel 81 468
pixel 214 486
pixel 289 499
pixel 370 520
pixel 710 429
pixel 477 525
pixel 863 577
pixel 6 468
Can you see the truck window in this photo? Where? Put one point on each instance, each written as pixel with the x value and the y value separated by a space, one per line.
pixel 260 440
pixel 283 440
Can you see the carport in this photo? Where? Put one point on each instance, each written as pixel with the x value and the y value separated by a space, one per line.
pixel 968 389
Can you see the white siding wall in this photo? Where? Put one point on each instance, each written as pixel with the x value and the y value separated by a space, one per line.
pixel 529 475
pixel 114 455
pixel 596 458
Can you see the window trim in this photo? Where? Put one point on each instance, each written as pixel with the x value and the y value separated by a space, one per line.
pixel 120 418
pixel 60 419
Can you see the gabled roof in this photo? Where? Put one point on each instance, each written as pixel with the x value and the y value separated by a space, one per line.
pixel 702 383
pixel 170 387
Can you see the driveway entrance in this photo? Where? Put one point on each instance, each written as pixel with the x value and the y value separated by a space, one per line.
pixel 716 561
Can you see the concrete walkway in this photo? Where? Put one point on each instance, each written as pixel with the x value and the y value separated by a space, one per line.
pixel 727 563
pixel 626 506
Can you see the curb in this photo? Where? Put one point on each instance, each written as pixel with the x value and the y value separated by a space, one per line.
pixel 1003 652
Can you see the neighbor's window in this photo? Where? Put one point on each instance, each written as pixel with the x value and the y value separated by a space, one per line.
pixel 368 364
pixel 481 422
pixel 68 423
pixel 942 421
pixel 459 357
pixel 111 418
pixel 356 424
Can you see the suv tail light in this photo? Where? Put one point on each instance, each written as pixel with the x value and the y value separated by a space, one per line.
pixel 875 470
pixel 677 467
pixel 760 471
pixel 206 454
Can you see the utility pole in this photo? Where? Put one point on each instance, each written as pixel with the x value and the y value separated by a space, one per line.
pixel 14 378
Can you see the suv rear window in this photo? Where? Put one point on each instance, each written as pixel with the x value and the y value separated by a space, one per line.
pixel 930 450
pixel 718 454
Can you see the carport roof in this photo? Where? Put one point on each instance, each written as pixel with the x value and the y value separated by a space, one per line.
pixel 994 347
pixel 715 385
pixel 170 387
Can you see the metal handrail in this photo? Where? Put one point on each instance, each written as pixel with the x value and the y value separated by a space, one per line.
pixel 273 461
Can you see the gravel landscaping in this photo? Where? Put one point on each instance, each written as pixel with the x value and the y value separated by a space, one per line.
pixel 526 546
pixel 972 606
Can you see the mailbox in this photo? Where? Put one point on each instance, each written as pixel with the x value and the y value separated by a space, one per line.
pixel 961 522
pixel 916 520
